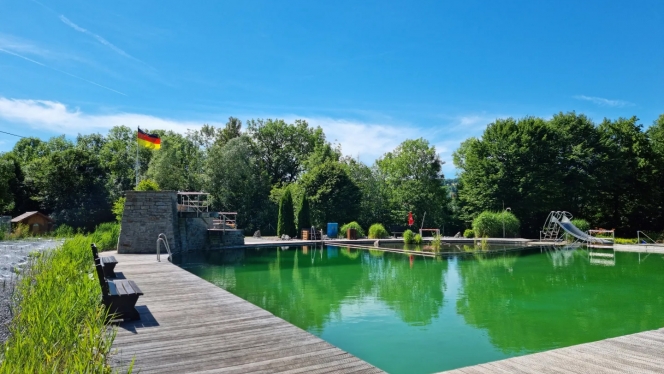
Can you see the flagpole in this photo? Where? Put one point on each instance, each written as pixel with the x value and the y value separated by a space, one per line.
pixel 138 162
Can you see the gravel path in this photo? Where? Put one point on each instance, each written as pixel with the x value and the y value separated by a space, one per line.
pixel 13 259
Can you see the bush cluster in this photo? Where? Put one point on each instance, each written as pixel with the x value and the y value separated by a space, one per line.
pixel 352 225
pixel 469 233
pixel 417 239
pixel 377 231
pixel 408 237
pixel 490 224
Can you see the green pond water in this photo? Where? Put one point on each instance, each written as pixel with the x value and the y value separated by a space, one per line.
pixel 411 314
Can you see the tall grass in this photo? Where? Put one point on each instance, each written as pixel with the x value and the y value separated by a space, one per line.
pixel 58 319
pixel 106 236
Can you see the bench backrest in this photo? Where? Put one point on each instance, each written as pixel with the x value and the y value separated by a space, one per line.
pixel 100 271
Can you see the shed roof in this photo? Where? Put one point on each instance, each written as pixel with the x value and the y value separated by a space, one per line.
pixel 29 214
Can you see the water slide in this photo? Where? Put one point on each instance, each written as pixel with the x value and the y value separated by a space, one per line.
pixel 569 228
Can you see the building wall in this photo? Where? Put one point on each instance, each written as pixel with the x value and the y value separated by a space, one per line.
pixel 43 224
pixel 146 215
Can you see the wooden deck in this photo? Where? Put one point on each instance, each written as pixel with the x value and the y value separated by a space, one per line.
pixel 635 353
pixel 189 325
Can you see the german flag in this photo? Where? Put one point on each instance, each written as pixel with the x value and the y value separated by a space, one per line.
pixel 151 141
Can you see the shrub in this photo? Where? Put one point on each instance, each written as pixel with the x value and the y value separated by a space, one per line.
pixel 408 237
pixel 353 225
pixel 377 231
pixel 118 208
pixel 58 319
pixel 147 185
pixel 286 220
pixel 106 236
pixel 625 241
pixel 581 223
pixel 63 231
pixel 490 224
pixel 469 233
pixel 20 231
pixel 304 214
pixel 417 239
pixel 437 243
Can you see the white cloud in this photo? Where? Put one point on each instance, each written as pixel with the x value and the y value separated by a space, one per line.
pixel 18 45
pixel 57 117
pixel 604 102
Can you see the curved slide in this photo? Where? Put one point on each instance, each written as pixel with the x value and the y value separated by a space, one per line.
pixel 569 228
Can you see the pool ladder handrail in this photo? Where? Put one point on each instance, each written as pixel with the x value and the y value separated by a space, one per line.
pixel 162 238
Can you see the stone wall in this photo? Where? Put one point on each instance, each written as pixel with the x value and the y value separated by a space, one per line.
pixel 193 232
pixel 218 239
pixel 146 215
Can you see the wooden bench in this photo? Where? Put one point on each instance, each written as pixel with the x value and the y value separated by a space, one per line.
pixel 119 296
pixel 108 263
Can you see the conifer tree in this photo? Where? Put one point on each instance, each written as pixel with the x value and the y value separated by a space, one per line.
pixel 303 215
pixel 286 222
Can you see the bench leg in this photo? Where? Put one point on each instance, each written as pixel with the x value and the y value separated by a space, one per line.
pixel 122 307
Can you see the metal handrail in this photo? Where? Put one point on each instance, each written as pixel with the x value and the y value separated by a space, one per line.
pixel 638 237
pixel 162 238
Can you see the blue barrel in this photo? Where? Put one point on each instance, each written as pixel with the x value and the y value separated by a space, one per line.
pixel 332 230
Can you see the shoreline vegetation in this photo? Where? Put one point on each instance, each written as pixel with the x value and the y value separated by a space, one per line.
pixel 58 320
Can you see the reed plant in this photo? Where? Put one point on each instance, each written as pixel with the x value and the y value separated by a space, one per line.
pixel 437 243
pixel 58 320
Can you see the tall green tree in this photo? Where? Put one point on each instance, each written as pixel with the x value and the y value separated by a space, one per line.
pixel 374 203
pixel 332 194
pixel 237 183
pixel 414 182
pixel 178 165
pixel 286 222
pixel 283 147
pixel 303 214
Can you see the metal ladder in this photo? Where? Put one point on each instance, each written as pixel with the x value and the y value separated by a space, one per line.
pixel 162 238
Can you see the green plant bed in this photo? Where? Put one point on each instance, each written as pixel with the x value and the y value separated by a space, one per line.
pixel 352 225
pixel 58 324
pixel 625 241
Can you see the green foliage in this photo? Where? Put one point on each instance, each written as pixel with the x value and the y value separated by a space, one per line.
pixel 147 185
pixel 408 237
pixel 437 243
pixel 469 233
pixel 178 165
pixel 626 241
pixel 63 231
pixel 581 223
pixel 58 324
pixel 413 182
pixel 490 224
pixel 417 239
pixel 377 231
pixel 118 208
pixel 106 236
pixel 304 214
pixel 19 231
pixel 352 225
pixel 286 222
pixel 332 194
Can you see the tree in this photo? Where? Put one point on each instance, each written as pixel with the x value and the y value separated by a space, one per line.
pixel 118 157
pixel 374 203
pixel 332 194
pixel 178 165
pixel 284 148
pixel 286 222
pixel 237 183
pixel 232 130
pixel 303 214
pixel 7 174
pixel 147 185
pixel 414 182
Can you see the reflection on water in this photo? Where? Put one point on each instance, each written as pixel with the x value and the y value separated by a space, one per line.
pixel 473 308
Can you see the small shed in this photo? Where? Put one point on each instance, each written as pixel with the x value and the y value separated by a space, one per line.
pixel 39 223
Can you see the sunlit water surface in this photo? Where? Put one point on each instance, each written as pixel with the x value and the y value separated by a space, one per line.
pixel 411 314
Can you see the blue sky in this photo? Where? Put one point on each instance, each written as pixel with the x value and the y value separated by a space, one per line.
pixel 371 73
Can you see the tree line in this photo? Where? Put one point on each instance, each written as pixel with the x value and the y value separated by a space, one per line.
pixel 608 173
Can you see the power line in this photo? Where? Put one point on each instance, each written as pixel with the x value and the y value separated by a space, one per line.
pixel 9 133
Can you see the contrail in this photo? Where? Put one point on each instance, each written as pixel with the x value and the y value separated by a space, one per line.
pixel 61 71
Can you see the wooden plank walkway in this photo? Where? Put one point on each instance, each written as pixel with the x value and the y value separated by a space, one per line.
pixel 189 325
pixel 636 353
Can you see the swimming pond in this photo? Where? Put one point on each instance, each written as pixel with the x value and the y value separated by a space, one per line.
pixel 407 313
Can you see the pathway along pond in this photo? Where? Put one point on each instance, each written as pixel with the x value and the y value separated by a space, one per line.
pixel 411 314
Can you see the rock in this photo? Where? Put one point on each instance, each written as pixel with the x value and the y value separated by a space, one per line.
pixel 458 235
pixel 377 243
pixel 285 237
pixel 257 234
